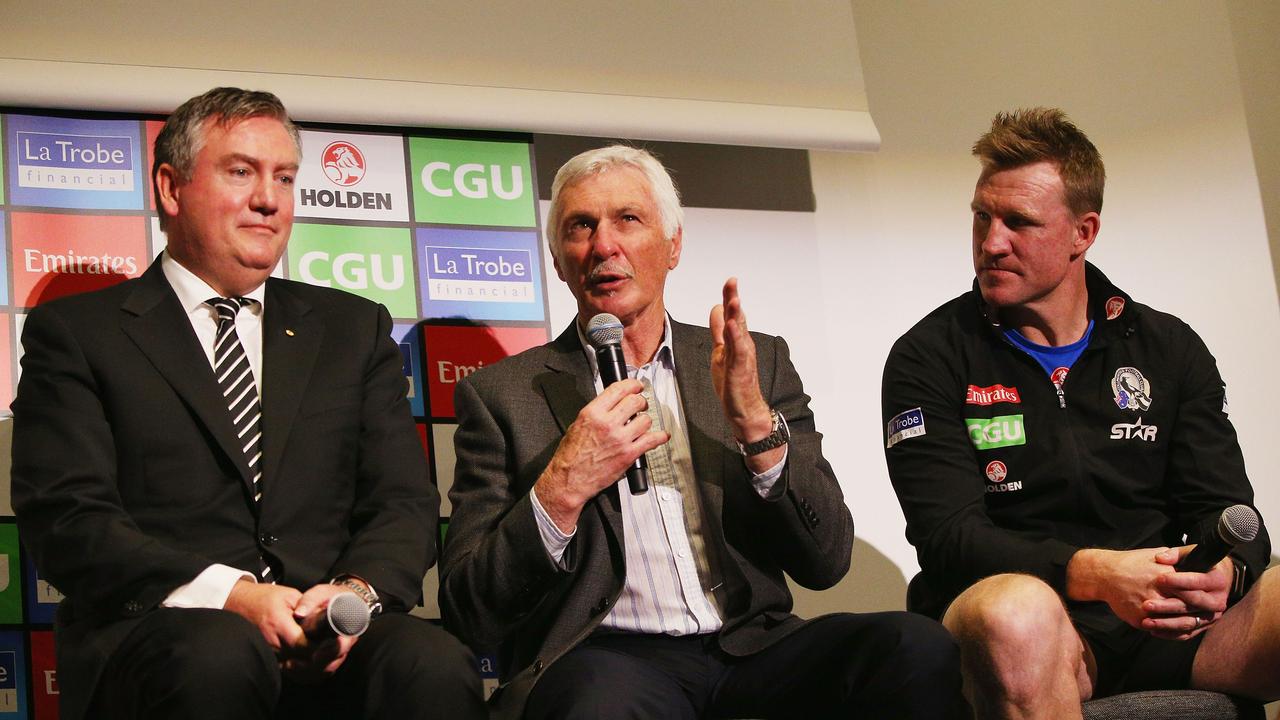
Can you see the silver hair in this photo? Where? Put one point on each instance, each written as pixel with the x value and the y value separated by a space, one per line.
pixel 183 134
pixel 593 162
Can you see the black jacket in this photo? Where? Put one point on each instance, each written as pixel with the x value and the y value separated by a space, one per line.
pixel 1058 470
pixel 128 480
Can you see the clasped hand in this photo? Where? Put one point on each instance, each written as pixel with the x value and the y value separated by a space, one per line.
pixel 1144 589
pixel 278 611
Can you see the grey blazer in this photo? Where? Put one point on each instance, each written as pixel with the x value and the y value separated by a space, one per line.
pixel 501 591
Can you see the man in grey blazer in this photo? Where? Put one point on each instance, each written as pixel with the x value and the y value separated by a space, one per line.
pixel 196 529
pixel 670 603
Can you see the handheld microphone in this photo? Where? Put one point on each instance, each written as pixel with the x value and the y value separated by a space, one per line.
pixel 605 332
pixel 1237 525
pixel 345 615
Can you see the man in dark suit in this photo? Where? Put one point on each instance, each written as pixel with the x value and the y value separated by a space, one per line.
pixel 194 528
pixel 670 603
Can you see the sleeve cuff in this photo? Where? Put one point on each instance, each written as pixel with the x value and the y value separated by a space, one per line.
pixel 209 589
pixel 554 541
pixel 766 483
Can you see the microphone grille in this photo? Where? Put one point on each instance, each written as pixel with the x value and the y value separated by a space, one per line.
pixel 604 329
pixel 348 614
pixel 1239 523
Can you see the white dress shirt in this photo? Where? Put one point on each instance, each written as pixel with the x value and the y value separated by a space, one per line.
pixel 213 585
pixel 670 582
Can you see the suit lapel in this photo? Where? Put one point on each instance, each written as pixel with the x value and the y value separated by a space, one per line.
pixel 291 339
pixel 160 328
pixel 569 385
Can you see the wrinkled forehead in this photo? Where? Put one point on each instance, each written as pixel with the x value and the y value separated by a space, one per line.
pixel 1034 184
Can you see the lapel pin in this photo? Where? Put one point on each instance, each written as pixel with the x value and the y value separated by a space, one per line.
pixel 288 332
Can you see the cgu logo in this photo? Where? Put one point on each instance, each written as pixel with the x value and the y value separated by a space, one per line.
pixel 996 432
pixel 469 180
pixel 354 271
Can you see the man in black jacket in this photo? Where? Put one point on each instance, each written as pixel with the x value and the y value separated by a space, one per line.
pixel 204 456
pixel 1052 442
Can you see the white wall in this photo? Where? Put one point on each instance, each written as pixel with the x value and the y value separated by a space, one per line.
pixel 1154 85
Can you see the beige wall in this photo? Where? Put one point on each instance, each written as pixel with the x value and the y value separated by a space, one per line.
pixel 1255 25
pixel 1157 87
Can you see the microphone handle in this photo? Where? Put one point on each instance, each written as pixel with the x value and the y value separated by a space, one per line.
pixel 1204 556
pixel 613 367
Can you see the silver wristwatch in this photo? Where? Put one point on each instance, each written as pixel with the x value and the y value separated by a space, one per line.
pixel 777 438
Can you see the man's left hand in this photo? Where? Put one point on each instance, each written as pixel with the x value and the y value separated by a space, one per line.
pixel 737 383
pixel 1192 601
pixel 315 659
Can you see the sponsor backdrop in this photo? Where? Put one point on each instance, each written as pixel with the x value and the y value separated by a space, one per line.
pixel 442 230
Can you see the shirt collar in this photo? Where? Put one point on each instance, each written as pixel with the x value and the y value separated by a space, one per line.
pixel 665 354
pixel 192 292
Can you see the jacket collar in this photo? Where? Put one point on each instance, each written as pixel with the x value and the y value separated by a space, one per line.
pixel 1114 313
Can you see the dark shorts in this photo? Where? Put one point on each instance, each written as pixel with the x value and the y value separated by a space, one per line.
pixel 1130 659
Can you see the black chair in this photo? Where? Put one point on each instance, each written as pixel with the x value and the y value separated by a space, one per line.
pixel 1173 705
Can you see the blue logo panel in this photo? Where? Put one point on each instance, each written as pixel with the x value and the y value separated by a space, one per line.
pixel 42 598
pixel 73 163
pixel 480 274
pixel 409 337
pixel 13 675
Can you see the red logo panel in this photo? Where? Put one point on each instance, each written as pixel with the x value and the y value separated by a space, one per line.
pixel 44 675
pixel 57 255
pixel 455 352
pixel 152 128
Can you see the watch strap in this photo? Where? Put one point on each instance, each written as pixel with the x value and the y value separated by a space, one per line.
pixel 779 437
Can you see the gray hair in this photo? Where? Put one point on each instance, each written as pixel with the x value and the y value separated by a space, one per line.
pixel 183 134
pixel 594 162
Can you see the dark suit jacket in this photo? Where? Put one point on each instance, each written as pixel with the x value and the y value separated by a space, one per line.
pixel 127 480
pixel 500 589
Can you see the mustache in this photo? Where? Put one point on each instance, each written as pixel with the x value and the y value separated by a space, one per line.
pixel 610 269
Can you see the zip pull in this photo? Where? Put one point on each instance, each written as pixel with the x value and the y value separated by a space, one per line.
pixel 1062 397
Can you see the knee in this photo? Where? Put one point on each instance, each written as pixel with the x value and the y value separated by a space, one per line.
pixel 1018 612
pixel 420 654
pixel 204 652
pixel 918 646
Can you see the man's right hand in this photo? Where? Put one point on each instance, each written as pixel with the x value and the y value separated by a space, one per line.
pixel 608 435
pixel 270 609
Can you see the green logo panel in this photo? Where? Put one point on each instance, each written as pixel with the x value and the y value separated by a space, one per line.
pixel 471 182
pixel 996 432
pixel 10 569
pixel 372 262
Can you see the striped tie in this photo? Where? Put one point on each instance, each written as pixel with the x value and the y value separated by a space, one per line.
pixel 235 378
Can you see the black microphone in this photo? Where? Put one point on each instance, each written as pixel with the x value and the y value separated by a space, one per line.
pixel 605 333
pixel 346 614
pixel 1237 525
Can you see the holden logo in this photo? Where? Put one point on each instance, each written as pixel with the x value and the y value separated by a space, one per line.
pixel 996 471
pixel 1115 306
pixel 343 163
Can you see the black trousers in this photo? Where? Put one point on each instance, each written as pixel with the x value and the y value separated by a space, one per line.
pixel 876 665
pixel 197 664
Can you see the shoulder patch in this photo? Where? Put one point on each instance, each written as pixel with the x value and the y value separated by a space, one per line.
pixel 904 425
